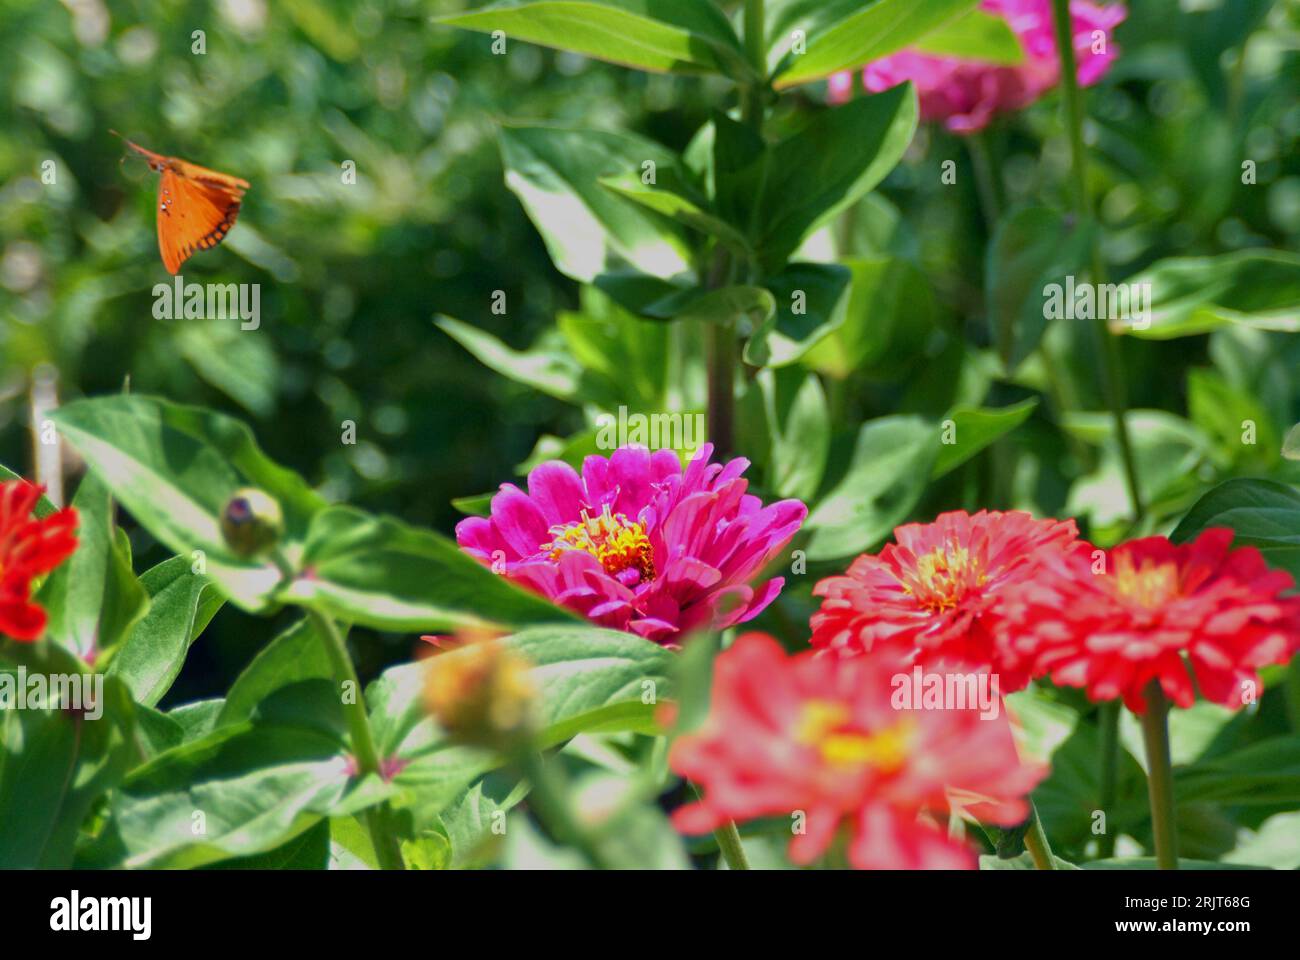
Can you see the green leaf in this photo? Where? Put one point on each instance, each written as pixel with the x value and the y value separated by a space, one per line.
pixel 296 655
pixel 175 468
pixel 378 572
pixel 471 820
pixel 240 363
pixel 844 34
pixel 888 316
pixel 812 300
pixel 977 36
pixel 588 229
pixel 1262 513
pixel 310 850
pixel 891 462
pixel 835 160
pixel 1032 249
pixel 53 767
pixel 240 791
pixel 799 426
pixel 554 374
pixel 1276 844
pixel 94 598
pixel 975 429
pixel 587 679
pixel 1194 295
pixel 666 36
pixel 181 604
pixel 672 197
pixel 1149 863
pixel 479 505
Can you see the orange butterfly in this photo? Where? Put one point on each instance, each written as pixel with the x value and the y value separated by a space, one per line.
pixel 196 206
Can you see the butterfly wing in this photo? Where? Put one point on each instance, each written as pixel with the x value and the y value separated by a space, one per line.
pixel 196 209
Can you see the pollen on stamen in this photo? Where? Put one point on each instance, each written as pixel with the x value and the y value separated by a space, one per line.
pixel 621 545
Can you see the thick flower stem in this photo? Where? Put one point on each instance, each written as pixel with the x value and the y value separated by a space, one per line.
pixel 1160 776
pixel 728 838
pixel 1109 720
pixel 1036 842
pixel 387 850
pixel 1112 373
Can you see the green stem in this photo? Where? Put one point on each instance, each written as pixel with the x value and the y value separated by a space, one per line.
pixel 1160 776
pixel 1109 720
pixel 1293 693
pixel 728 838
pixel 1112 372
pixel 722 387
pixel 387 849
pixel 549 797
pixel 1036 842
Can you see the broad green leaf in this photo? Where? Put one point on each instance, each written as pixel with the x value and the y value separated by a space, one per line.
pixel 1033 252
pixel 310 850
pixel 551 373
pixel 93 598
pixel 181 604
pixel 479 505
pixel 799 426
pixel 588 229
pixel 1276 844
pixel 474 820
pixel 828 165
pixel 812 300
pixel 1193 295
pixel 1149 863
pixel 671 196
pixel 891 462
pixel 887 317
pixel 629 355
pixel 175 468
pixel 734 177
pixel 587 680
pixel 666 36
pixel 296 655
pixel 1227 412
pixel 975 429
pixel 976 36
pixel 240 363
pixel 53 767
pixel 240 791
pixel 844 34
pixel 1262 513
pixel 381 573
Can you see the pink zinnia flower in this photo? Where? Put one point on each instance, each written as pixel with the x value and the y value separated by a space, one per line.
pixel 823 737
pixel 634 543
pixel 966 95
pixel 935 596
pixel 1196 616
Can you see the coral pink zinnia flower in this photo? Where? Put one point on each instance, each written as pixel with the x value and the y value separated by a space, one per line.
pixel 966 95
pixel 820 736
pixel 935 596
pixel 29 548
pixel 634 543
pixel 1196 615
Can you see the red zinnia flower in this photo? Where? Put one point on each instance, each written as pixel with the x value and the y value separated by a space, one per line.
pixel 936 595
pixel 28 549
pixel 820 736
pixel 1198 615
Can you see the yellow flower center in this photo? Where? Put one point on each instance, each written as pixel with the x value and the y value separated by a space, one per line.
pixel 941 578
pixel 823 726
pixel 1150 584
pixel 618 543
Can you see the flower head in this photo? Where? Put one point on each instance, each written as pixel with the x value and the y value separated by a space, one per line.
pixel 1193 616
pixel 966 95
pixel 636 543
pixel 935 595
pixel 480 692
pixel 29 548
pixel 821 736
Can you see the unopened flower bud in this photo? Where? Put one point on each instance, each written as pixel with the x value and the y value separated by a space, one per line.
pixel 481 694
pixel 252 522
